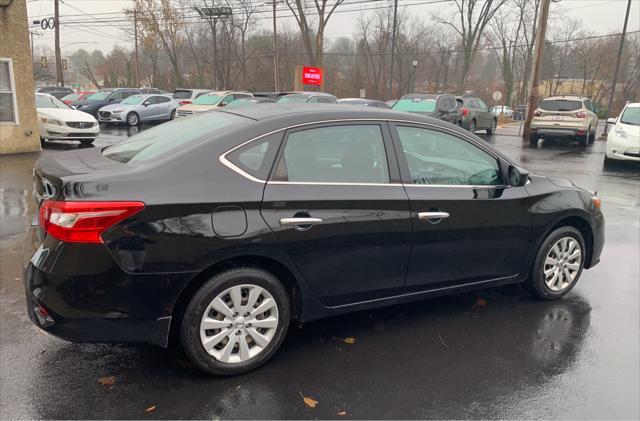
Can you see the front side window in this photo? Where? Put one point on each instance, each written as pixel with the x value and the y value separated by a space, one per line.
pixel 133 100
pixel 334 154
pixel 436 158
pixel 8 112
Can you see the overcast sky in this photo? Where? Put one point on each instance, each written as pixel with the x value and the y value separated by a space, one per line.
pixel 600 16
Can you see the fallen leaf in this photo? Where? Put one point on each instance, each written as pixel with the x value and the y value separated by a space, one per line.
pixel 107 381
pixel 480 302
pixel 350 340
pixel 342 413
pixel 311 403
pixel 442 341
pixel 150 409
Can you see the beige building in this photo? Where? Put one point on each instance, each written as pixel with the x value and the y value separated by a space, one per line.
pixel 18 119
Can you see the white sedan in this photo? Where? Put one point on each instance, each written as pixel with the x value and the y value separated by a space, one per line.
pixel 623 141
pixel 58 121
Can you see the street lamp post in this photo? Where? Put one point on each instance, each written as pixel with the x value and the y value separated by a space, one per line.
pixel 275 44
pixel 413 77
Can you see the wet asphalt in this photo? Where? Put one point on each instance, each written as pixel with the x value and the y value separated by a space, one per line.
pixel 489 354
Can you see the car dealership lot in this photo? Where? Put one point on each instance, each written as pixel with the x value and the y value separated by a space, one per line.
pixel 494 353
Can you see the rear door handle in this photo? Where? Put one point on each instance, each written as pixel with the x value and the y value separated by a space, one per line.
pixel 433 216
pixel 300 221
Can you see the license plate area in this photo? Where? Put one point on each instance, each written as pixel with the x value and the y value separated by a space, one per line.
pixel 556 117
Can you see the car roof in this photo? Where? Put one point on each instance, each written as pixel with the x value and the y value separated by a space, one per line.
pixel 226 92
pixel 309 93
pixel 421 96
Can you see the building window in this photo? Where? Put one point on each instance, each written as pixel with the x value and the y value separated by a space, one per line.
pixel 8 109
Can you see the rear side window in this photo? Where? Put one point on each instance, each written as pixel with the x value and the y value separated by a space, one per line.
pixel 256 157
pixel 170 137
pixel 560 105
pixel 334 154
pixel 162 99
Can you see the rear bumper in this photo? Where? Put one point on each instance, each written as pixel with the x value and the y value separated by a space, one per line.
pixel 90 298
pixel 558 132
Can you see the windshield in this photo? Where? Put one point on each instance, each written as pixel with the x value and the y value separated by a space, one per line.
pixel 99 96
pixel 293 99
pixel 164 139
pixel 631 116
pixel 207 99
pixel 72 97
pixel 47 101
pixel 416 105
pixel 560 105
pixel 182 94
pixel 133 100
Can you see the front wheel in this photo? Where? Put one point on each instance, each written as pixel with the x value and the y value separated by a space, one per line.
pixel 558 264
pixel 133 119
pixel 236 321
pixel 472 126
pixel 173 115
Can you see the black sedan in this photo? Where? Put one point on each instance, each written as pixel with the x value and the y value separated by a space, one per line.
pixel 219 230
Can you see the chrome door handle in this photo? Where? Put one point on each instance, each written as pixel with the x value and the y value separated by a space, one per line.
pixel 433 215
pixel 300 221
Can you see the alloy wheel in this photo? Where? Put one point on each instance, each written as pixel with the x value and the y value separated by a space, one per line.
pixel 132 119
pixel 239 323
pixel 562 264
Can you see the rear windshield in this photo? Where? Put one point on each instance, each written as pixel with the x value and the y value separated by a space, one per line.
pixel 416 105
pixel 292 99
pixel 71 97
pixel 207 99
pixel 98 96
pixel 560 105
pixel 166 138
pixel 182 94
pixel 631 116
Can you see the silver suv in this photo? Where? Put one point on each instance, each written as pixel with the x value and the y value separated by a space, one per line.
pixel 568 117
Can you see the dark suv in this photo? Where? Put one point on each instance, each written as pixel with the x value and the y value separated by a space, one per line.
pixel 475 115
pixel 94 102
pixel 440 106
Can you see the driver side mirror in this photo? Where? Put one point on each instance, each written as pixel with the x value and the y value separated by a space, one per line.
pixel 146 103
pixel 517 176
pixel 111 100
pixel 611 120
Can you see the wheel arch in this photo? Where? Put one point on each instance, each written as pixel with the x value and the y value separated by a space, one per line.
pixel 582 225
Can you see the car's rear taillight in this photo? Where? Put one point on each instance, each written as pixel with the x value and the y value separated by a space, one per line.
pixel 185 102
pixel 537 113
pixel 83 222
pixel 581 114
pixel 464 111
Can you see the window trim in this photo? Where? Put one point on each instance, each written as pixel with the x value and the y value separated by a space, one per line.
pixel 12 86
pixel 393 137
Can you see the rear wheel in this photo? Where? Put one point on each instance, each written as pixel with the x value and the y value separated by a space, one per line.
pixel 133 119
pixel 558 264
pixel 173 115
pixel 491 130
pixel 585 139
pixel 236 321
pixel 533 140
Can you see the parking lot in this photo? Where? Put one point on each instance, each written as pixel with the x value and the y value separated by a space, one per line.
pixel 489 354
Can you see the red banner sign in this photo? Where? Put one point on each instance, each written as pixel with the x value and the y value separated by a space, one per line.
pixel 312 76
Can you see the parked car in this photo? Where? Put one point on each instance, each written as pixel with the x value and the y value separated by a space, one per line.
pixel 308 97
pixel 210 101
pixel 623 141
pixel 391 102
pixel 151 91
pixel 58 121
pixel 247 102
pixel 56 91
pixel 568 118
pixel 92 103
pixel 502 109
pixel 519 112
pixel 77 96
pixel 440 106
pixel 186 96
pixel 140 109
pixel 223 228
pixel 364 102
pixel 474 115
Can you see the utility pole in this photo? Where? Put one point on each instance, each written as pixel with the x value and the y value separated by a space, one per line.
pixel 56 11
pixel 393 46
pixel 534 80
pixel 615 73
pixel 135 40
pixel 275 49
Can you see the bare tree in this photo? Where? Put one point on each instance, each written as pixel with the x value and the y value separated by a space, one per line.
pixel 474 17
pixel 324 12
pixel 507 36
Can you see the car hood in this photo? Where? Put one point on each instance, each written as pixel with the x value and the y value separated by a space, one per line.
pixel 66 115
pixel 112 107
pixel 630 130
pixel 197 108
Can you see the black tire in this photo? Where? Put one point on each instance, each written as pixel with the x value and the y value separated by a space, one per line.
pixel 536 280
pixel 133 119
pixel 533 140
pixel 585 139
pixel 472 126
pixel 492 129
pixel 190 326
pixel 173 115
